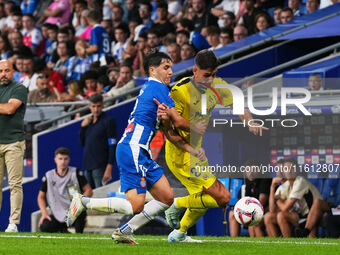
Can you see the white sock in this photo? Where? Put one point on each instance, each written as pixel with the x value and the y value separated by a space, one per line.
pixel 151 209
pixel 110 205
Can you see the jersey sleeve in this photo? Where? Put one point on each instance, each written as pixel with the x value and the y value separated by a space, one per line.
pixel 20 93
pixel 224 93
pixel 164 96
pixel 43 186
pixel 179 98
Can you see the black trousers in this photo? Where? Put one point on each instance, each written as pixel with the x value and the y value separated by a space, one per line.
pixel 333 225
pixel 54 226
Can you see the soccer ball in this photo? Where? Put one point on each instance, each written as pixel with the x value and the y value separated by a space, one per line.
pixel 248 211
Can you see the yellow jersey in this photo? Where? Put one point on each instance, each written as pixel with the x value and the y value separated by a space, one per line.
pixel 188 103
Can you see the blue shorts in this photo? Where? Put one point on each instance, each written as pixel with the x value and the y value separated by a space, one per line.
pixel 134 163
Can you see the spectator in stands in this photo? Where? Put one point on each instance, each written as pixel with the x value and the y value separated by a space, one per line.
pixel 277 11
pixel 174 7
pixel 174 52
pixel 100 41
pixel 256 185
pixel 124 82
pixel 17 21
pixel 182 37
pixel 55 80
pixel 57 13
pixel 28 76
pixel 129 53
pixel 226 36
pixel 113 74
pixel 75 17
pixel 75 92
pixel 240 32
pixel 19 67
pixel 90 80
pixel 162 24
pixel 315 82
pixel 10 9
pixel 122 40
pixel 63 62
pixel 142 50
pixel 286 15
pixel 29 6
pixel 230 7
pixel 248 19
pixel 57 187
pixel 51 42
pixel 83 31
pixel 145 10
pixel 17 47
pixel 203 17
pixel 188 51
pixel 198 40
pixel 295 6
pixel 312 5
pixel 187 12
pixel 213 37
pixel 32 35
pixel 12 143
pixel 42 94
pixel 228 20
pixel 117 17
pixel 262 22
pixel 132 11
pixel 154 40
pixel 78 64
pixel 103 84
pixel 98 137
pixel 290 202
pixel 4 48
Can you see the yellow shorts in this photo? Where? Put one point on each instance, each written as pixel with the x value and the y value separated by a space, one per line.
pixel 191 173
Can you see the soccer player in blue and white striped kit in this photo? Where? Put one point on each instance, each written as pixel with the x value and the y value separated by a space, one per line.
pixel 138 172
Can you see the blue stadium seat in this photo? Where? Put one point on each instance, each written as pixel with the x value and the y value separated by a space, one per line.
pixel 331 191
pixel 317 182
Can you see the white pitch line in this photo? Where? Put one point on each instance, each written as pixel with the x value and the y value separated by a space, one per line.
pixel 164 239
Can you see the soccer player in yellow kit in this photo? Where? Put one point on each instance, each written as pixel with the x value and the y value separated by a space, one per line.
pixel 205 191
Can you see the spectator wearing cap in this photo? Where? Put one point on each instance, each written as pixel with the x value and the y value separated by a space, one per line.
pixel 122 40
pixel 286 15
pixel 98 137
pixel 198 40
pixel 203 17
pixel 125 82
pixel 240 32
pixel 188 51
pixel 174 52
pixel 213 37
pixel 226 36
pixel 162 23
pixel 248 19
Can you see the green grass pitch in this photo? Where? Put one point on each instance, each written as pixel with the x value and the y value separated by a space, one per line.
pixel 77 244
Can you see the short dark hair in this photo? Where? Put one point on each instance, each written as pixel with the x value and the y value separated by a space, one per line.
pixel 187 23
pixel 62 151
pixel 124 64
pixel 291 160
pixel 184 32
pixel 63 30
pixel 154 58
pixel 206 59
pixel 213 30
pixel 94 15
pixel 89 75
pixel 162 5
pixel 147 3
pixel 287 9
pixel 316 74
pixel 227 30
pixel 29 15
pixel 281 161
pixel 96 98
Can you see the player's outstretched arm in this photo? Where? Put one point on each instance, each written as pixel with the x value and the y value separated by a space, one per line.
pixel 177 140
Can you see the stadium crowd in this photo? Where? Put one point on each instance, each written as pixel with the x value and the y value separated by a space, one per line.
pixel 67 50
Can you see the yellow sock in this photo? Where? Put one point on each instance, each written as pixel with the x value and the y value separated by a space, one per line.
pixel 196 201
pixel 190 218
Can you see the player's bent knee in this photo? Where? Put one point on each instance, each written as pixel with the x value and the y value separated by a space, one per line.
pixel 281 217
